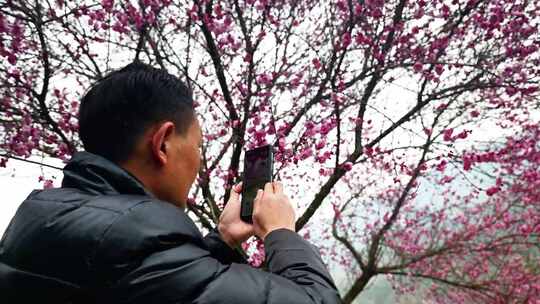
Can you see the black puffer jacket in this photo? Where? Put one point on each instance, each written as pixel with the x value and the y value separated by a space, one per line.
pixel 103 238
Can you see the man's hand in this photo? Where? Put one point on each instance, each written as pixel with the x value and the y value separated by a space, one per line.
pixel 232 229
pixel 272 210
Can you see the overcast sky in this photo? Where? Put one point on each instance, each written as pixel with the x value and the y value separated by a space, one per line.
pixel 16 182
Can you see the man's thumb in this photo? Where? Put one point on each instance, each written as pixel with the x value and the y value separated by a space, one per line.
pixel 259 194
pixel 234 194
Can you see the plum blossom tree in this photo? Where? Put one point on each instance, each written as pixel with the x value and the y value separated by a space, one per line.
pixel 406 131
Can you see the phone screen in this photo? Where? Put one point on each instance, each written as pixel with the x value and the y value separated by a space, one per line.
pixel 258 167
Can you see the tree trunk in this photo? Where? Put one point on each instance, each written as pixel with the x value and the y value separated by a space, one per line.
pixel 357 288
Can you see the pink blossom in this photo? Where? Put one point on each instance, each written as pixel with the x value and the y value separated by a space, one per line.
pixel 107 4
pixel 345 40
pixel 467 163
pixel 463 134
pixel 418 67
pixel 265 79
pixel 446 179
pixel 442 165
pixel 491 191
pixel 439 69
pixel 448 134
pixel 321 144
pixel 358 9
pixel 316 63
pixel 347 166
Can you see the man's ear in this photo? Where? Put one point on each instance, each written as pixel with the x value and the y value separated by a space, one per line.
pixel 161 142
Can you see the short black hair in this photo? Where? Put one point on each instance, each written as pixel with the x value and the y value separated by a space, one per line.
pixel 119 108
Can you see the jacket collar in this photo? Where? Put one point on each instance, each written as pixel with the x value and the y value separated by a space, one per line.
pixel 95 174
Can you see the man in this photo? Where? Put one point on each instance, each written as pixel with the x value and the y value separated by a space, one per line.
pixel 116 231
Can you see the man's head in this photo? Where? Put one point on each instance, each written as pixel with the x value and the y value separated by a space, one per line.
pixel 142 119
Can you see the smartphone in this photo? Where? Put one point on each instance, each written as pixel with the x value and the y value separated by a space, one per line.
pixel 258 170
